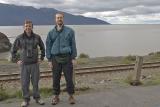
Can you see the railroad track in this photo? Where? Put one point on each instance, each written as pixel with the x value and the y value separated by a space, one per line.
pixel 85 70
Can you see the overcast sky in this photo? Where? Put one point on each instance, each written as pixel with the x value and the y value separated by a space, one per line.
pixel 113 11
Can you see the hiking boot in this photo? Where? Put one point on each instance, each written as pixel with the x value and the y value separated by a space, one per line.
pixel 71 100
pixel 24 104
pixel 55 100
pixel 40 102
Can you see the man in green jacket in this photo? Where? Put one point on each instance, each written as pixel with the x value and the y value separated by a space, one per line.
pixel 61 53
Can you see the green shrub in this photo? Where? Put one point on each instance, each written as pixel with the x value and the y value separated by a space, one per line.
pixel 82 55
pixel 130 58
pixel 129 79
pixel 17 94
pixel 3 94
pixel 151 54
pixel 82 60
pixel 155 54
pixel 46 91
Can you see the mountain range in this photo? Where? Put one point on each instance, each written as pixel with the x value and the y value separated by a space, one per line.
pixel 13 15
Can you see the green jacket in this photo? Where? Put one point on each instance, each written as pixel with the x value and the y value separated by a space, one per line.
pixel 61 42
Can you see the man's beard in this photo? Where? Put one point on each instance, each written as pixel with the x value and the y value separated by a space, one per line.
pixel 60 23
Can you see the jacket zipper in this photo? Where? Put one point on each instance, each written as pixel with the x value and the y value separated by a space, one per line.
pixel 59 42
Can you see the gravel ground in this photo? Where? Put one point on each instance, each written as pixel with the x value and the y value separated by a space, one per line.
pixel 95 82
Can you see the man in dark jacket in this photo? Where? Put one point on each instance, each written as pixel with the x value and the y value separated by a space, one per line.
pixel 61 52
pixel 27 45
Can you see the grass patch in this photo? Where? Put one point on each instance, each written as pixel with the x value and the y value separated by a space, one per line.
pixel 85 88
pixel 17 94
pixel 154 80
pixel 122 82
pixel 3 95
pixel 129 79
pixel 46 92
pixel 83 55
pixel 129 59
pixel 154 55
pixel 82 61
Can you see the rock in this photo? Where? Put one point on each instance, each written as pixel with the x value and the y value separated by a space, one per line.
pixel 5 44
pixel 108 79
pixel 146 77
pixel 84 76
pixel 76 82
pixel 143 77
pixel 102 82
pixel 94 82
pixel 149 76
pixel 135 83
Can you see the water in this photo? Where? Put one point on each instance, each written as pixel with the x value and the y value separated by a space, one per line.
pixel 105 40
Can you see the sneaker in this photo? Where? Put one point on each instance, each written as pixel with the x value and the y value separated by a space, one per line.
pixel 24 104
pixel 40 102
pixel 71 100
pixel 55 100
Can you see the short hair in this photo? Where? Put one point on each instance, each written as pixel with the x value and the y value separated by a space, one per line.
pixel 27 22
pixel 60 13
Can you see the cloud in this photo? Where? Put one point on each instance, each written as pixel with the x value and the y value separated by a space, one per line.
pixel 114 11
pixel 86 5
pixel 126 19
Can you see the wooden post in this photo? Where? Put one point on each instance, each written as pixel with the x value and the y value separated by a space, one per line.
pixel 137 71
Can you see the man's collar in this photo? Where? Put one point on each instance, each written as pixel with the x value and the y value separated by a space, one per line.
pixel 60 30
pixel 25 34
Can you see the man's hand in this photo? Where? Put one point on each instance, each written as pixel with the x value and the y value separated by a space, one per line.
pixel 50 65
pixel 39 60
pixel 74 62
pixel 19 62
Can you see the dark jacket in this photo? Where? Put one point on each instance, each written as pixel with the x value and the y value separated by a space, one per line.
pixel 61 42
pixel 28 48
